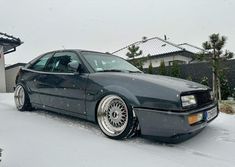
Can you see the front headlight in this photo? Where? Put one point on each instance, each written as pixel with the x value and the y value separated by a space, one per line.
pixel 188 100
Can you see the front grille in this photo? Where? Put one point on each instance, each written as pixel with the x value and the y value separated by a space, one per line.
pixel 203 98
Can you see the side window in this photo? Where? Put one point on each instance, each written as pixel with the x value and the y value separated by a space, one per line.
pixel 40 64
pixel 63 62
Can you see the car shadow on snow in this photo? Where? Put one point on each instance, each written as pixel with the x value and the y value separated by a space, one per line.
pixel 202 137
pixel 69 120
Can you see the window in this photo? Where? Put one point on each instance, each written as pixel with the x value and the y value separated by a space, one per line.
pixel 39 65
pixel 177 61
pixel 61 62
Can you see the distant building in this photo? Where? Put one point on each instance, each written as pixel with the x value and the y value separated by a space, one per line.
pixel 8 44
pixel 11 72
pixel 162 50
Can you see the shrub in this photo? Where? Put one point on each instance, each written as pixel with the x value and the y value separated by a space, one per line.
pixel 150 69
pixel 162 68
pixel 205 81
pixel 226 90
pixel 233 93
pixel 227 108
pixel 189 78
pixel 175 70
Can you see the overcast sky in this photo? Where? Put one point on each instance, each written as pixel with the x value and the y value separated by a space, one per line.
pixel 107 25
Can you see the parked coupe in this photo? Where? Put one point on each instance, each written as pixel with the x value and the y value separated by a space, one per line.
pixel 109 91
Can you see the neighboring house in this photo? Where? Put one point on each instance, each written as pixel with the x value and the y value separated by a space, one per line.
pixel 11 72
pixel 159 49
pixel 8 44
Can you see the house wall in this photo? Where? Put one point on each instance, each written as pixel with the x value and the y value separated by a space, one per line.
pixel 2 72
pixel 156 61
pixel 10 78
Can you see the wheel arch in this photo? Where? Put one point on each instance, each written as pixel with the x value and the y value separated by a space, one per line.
pixel 128 97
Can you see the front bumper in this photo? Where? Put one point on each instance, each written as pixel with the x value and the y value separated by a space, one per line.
pixel 167 124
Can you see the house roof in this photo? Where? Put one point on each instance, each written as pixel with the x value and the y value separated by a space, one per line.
pixel 191 48
pixel 9 42
pixel 158 47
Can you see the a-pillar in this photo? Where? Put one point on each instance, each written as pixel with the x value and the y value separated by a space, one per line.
pixel 2 71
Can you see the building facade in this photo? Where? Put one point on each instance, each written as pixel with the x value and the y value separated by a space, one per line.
pixel 8 44
pixel 2 71
pixel 10 73
pixel 156 50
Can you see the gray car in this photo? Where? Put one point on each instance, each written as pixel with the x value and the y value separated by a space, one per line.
pixel 109 91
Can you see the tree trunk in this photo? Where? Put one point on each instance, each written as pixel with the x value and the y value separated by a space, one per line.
pixel 215 76
pixel 213 82
pixel 219 89
pixel 216 86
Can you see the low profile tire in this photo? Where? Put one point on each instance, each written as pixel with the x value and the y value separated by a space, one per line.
pixel 115 118
pixel 22 100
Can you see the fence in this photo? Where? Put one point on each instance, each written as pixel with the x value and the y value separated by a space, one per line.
pixel 197 71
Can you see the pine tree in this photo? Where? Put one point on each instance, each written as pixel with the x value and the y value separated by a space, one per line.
pixel 215 55
pixel 133 52
pixel 175 70
pixel 162 68
pixel 150 69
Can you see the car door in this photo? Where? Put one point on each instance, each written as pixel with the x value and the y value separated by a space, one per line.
pixel 63 87
pixel 32 73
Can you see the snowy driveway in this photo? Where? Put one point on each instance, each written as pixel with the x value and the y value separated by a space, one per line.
pixel 41 139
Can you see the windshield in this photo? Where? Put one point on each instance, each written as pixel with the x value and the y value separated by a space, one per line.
pixel 101 62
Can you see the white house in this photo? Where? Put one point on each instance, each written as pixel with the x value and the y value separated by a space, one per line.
pixel 2 71
pixel 8 44
pixel 162 50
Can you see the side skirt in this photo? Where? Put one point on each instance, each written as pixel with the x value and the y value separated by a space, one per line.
pixel 60 111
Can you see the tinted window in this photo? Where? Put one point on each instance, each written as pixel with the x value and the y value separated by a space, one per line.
pixel 61 61
pixel 39 65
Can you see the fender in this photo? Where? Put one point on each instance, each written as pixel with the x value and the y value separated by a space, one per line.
pixel 124 93
pixel 93 99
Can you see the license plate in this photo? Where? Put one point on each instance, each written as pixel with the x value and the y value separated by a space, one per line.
pixel 211 113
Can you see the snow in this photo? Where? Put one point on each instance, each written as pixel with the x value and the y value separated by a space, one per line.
pixel 44 139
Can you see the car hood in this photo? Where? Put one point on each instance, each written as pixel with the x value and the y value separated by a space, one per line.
pixel 145 90
pixel 179 85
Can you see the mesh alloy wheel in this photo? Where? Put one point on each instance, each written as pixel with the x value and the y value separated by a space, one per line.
pixel 114 118
pixel 21 98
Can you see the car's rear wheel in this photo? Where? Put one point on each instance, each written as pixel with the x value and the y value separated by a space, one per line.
pixel 115 118
pixel 22 99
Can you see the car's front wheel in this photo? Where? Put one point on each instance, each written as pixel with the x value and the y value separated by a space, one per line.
pixel 22 100
pixel 115 118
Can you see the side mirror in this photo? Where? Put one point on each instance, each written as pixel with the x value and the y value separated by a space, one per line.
pixel 74 66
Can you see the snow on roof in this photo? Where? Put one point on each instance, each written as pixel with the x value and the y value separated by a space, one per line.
pixel 191 48
pixel 153 46
pixel 157 46
pixel 9 42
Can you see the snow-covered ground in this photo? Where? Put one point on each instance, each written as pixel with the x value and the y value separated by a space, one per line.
pixel 42 139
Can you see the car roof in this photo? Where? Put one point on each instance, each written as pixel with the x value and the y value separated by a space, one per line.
pixel 80 51
pixel 76 50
